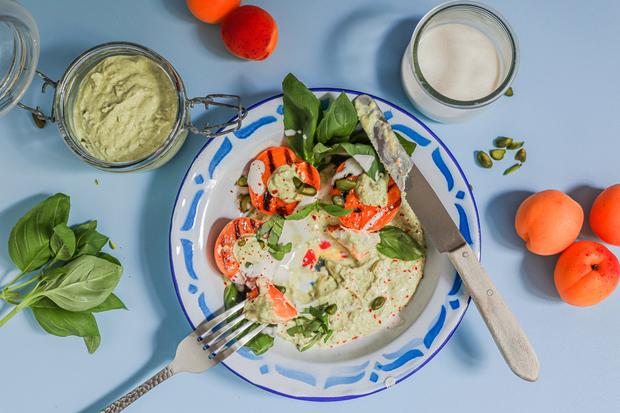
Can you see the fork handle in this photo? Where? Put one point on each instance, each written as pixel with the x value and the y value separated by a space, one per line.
pixel 139 391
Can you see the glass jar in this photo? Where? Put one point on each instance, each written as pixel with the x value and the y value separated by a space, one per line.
pixel 19 52
pixel 487 21
pixel 66 91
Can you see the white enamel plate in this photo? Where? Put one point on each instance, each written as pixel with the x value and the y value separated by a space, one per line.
pixel 206 202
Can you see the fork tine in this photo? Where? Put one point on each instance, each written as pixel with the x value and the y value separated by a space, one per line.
pixel 205 326
pixel 228 339
pixel 238 344
pixel 216 335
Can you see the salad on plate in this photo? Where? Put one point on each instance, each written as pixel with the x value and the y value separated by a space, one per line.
pixel 324 250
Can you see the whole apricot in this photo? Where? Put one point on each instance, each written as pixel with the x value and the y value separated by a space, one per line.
pixel 249 32
pixel 548 222
pixel 586 273
pixel 211 11
pixel 605 215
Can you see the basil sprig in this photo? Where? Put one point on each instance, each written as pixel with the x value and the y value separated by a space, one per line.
pixel 270 232
pixel 75 278
pixel 301 114
pixel 396 243
pixel 331 209
pixel 313 325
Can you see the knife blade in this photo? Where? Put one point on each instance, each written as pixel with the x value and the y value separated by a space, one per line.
pixel 446 237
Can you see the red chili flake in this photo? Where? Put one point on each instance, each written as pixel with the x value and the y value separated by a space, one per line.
pixel 313 217
pixel 380 321
pixel 354 338
pixel 275 191
pixel 309 258
pixel 344 255
pixel 324 245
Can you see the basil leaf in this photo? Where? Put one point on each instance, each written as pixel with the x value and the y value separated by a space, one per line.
pixel 92 343
pixel 231 296
pixel 303 213
pixel 260 343
pixel 88 240
pixel 362 149
pixel 64 323
pixel 301 113
pixel 279 251
pixel 108 258
pixel 110 303
pixel 276 230
pixel 320 152
pixel 62 242
pixel 88 281
pixel 339 119
pixel 29 241
pixel 396 243
pixel 335 210
pixel 407 145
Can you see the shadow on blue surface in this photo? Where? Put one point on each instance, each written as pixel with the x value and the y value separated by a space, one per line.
pixel 536 271
pixel 585 195
pixel 391 50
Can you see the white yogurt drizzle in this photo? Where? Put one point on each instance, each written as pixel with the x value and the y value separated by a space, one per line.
pixel 351 167
pixel 373 220
pixel 255 177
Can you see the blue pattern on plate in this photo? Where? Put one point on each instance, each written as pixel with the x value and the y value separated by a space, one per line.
pixel 435 329
pixel 411 344
pixel 463 224
pixel 339 380
pixel 221 153
pixel 413 135
pixel 405 358
pixel 188 255
pixel 191 214
pixel 443 168
pixel 248 130
pixel 456 285
pixel 373 377
pixel 348 374
pixel 388 115
pixel 297 375
pixel 203 307
pixel 248 354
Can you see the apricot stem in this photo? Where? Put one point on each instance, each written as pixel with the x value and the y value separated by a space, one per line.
pixel 595 267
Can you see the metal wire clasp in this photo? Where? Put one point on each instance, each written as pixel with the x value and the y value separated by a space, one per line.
pixel 37 113
pixel 211 131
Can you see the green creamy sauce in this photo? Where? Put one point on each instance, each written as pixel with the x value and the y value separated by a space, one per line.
pixel 353 276
pixel 260 308
pixel 248 251
pixel 126 106
pixel 281 183
pixel 372 192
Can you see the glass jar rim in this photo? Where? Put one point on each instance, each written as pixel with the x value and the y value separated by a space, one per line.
pixel 443 99
pixel 96 54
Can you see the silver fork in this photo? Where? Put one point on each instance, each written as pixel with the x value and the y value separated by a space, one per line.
pixel 211 342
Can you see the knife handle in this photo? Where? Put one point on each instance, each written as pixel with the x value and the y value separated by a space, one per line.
pixel 504 327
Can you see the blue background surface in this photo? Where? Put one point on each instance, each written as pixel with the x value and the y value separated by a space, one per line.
pixel 565 107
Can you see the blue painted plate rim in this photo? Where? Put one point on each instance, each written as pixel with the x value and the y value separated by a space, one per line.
pixel 431 356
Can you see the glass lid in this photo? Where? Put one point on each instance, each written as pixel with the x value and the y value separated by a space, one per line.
pixel 19 52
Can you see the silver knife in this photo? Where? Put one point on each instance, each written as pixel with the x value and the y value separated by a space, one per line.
pixel 446 237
